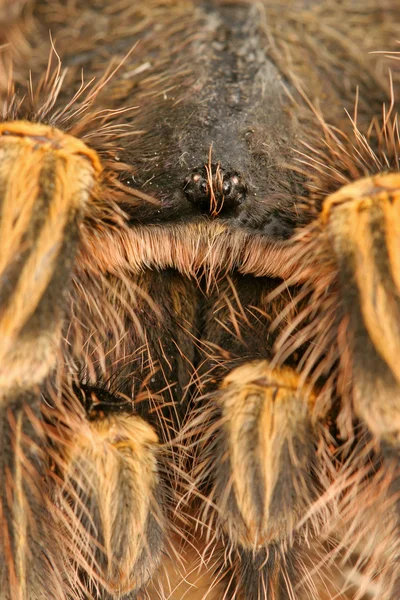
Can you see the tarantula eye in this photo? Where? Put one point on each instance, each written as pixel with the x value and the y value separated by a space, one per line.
pixel 226 187
pixel 203 187
pixel 233 189
pixel 196 188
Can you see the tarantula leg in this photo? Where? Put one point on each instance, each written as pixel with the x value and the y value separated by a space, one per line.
pixel 266 574
pixel 31 558
pixel 111 497
pixel 258 461
pixel 362 221
pixel 349 261
pixel 265 443
pixel 45 181
pixel 263 478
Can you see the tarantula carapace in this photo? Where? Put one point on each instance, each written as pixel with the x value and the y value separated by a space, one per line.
pixel 199 300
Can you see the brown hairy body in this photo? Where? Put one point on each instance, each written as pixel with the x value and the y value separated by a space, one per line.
pixel 199 282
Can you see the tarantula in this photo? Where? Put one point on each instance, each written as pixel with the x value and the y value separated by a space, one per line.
pixel 199 300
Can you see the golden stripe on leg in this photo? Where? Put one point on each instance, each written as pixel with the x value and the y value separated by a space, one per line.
pixel 263 482
pixel 46 180
pixel 111 500
pixel 362 221
pixel 257 473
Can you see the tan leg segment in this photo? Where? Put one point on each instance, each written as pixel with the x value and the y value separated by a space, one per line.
pixel 362 221
pixel 111 502
pixel 46 180
pixel 265 446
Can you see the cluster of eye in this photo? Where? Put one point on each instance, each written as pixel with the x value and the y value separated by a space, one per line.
pixel 213 189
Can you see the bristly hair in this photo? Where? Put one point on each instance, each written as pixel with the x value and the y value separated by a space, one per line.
pixel 340 312
pixel 334 160
pixel 45 485
pixel 80 448
pixel 84 116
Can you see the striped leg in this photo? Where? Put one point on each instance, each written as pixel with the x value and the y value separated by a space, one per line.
pixel 349 261
pixel 258 460
pixel 80 491
pixel 362 222
pixel 107 461
pixel 45 181
pixel 361 226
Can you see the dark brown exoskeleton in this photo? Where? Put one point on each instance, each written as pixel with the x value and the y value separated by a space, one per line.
pixel 199 300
